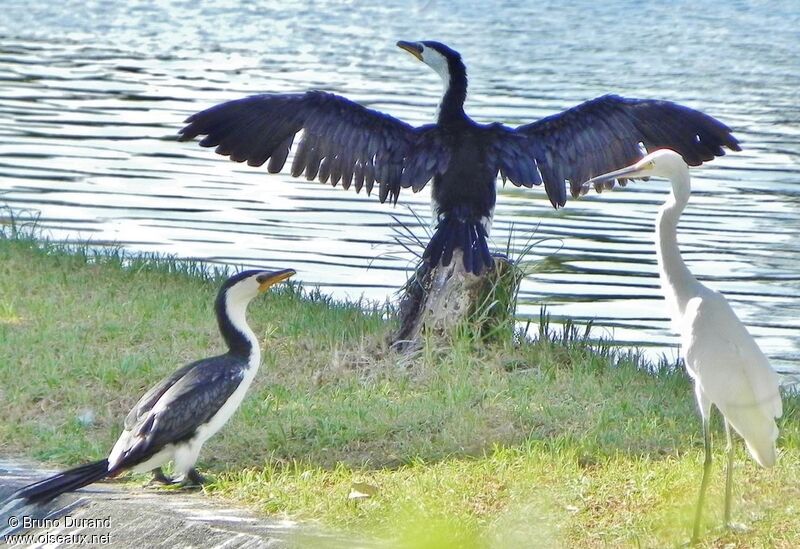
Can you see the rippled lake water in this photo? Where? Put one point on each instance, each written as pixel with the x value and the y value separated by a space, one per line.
pixel 93 93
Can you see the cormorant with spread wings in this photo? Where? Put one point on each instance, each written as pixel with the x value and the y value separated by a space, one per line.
pixel 348 144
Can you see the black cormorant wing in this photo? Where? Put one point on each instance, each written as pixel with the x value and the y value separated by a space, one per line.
pixel 147 401
pixel 342 140
pixel 173 410
pixel 603 135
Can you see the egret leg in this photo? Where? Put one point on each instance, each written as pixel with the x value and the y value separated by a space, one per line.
pixel 698 514
pixel 728 475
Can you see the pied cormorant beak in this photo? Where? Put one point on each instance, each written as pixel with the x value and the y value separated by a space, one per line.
pixel 266 280
pixel 414 48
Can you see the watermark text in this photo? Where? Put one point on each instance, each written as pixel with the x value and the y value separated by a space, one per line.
pixel 79 537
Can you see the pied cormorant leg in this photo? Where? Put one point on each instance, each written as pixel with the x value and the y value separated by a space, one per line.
pixel 194 478
pixel 160 477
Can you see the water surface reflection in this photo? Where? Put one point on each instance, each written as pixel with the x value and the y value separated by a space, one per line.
pixel 91 100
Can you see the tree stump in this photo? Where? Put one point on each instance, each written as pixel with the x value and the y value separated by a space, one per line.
pixel 442 299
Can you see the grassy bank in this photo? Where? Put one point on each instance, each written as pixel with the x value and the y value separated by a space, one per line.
pixel 537 443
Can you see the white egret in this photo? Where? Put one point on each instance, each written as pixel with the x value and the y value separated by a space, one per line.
pixel 728 368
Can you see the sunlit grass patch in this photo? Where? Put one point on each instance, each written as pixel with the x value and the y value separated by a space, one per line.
pixel 551 440
pixel 8 313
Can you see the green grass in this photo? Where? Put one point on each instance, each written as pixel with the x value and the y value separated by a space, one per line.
pixel 554 441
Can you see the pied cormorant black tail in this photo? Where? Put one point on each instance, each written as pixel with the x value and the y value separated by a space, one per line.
pixel 173 420
pixel 460 230
pixel 65 481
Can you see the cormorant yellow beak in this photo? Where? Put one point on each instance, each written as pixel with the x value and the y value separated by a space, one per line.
pixel 412 48
pixel 270 279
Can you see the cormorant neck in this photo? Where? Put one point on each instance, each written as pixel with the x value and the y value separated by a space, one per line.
pixel 678 283
pixel 231 312
pixel 451 109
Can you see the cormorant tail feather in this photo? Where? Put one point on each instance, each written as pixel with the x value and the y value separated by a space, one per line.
pixel 65 481
pixel 460 230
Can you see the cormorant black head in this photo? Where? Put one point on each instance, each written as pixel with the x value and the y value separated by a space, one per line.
pixel 232 301
pixel 444 60
pixel 448 64
pixel 250 283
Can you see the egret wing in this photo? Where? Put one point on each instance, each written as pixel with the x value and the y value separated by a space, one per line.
pixel 733 372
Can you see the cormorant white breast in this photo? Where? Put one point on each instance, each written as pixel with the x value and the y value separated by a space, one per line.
pixel 173 420
pixel 348 143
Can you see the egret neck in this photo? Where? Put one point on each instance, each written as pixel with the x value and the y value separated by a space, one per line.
pixel 676 279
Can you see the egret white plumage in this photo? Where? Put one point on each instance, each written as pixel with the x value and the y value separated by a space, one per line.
pixel 348 143
pixel 173 420
pixel 728 367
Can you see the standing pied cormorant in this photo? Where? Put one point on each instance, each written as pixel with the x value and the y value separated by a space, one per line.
pixel 348 143
pixel 173 420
